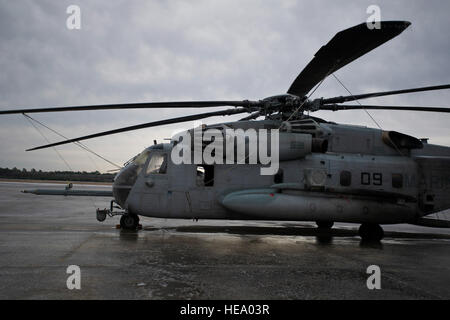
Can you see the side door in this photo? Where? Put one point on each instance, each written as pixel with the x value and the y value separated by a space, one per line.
pixel 201 194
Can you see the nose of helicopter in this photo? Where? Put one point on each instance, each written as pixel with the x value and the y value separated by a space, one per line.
pixel 120 193
pixel 123 182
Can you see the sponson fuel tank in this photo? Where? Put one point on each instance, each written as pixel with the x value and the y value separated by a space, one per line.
pixel 307 206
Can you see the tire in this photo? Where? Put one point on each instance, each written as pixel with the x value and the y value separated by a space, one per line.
pixel 129 221
pixel 325 224
pixel 371 232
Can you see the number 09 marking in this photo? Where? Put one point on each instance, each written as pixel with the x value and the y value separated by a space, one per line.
pixel 376 178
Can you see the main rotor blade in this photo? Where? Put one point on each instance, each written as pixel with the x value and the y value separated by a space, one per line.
pixel 252 116
pixel 147 125
pixel 343 48
pixel 142 105
pixel 337 107
pixel 380 94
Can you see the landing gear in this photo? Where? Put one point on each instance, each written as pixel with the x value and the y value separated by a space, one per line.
pixel 325 224
pixel 129 221
pixel 371 232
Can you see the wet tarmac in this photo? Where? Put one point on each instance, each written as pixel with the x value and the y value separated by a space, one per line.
pixel 40 236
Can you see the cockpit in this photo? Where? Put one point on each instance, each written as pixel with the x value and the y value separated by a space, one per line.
pixel 152 159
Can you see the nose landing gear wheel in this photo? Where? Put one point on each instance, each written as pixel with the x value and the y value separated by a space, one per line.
pixel 129 221
pixel 371 232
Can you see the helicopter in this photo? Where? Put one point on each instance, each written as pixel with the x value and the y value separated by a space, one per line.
pixel 326 172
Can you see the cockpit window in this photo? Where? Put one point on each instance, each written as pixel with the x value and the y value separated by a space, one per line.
pixel 157 164
pixel 140 161
pixel 128 175
pixel 141 158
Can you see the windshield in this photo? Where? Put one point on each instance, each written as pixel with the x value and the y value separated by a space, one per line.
pixel 141 158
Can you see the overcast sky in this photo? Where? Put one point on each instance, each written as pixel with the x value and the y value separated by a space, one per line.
pixel 136 51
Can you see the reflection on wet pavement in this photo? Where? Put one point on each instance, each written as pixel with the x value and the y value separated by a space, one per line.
pixel 179 259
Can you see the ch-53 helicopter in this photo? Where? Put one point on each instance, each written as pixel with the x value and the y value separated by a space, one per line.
pixel 328 172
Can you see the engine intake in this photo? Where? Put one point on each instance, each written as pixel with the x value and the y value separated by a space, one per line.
pixel 399 140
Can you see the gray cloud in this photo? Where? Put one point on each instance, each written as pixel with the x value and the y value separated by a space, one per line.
pixel 133 51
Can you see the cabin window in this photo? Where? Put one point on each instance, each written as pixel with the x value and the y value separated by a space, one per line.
pixel 278 177
pixel 157 164
pixel 346 178
pixel 397 180
pixel 205 176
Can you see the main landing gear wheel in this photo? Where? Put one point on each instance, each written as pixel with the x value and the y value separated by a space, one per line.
pixel 325 224
pixel 371 232
pixel 129 221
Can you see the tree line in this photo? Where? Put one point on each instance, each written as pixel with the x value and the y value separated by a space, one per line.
pixel 34 174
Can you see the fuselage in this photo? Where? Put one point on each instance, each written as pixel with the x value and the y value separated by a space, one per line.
pixel 364 175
